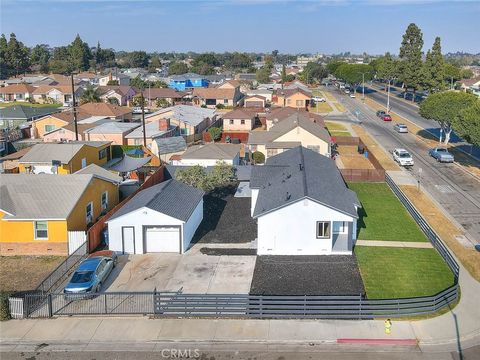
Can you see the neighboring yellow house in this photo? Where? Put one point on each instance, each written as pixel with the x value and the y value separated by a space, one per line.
pixel 295 130
pixel 295 98
pixel 64 158
pixel 48 214
pixel 52 122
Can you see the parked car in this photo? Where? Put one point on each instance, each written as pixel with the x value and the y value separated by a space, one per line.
pixel 441 155
pixel 386 117
pixel 402 157
pixel 352 95
pixel 347 91
pixel 90 275
pixel 400 128
pixel 380 113
pixel 318 99
pixel 138 110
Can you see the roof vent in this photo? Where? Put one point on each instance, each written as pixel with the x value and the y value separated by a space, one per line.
pixel 288 196
pixel 300 166
pixel 289 176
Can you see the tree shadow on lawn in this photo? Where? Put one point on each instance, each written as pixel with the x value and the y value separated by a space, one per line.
pixel 361 222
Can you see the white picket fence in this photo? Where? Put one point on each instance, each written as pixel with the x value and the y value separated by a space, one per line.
pixel 75 240
pixel 16 307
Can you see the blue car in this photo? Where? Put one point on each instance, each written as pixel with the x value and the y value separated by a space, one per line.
pixel 90 275
pixel 441 155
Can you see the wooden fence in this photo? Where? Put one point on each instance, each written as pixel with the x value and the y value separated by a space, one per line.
pixel 359 175
pixel 94 234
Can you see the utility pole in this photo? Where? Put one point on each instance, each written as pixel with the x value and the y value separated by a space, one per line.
pixel 142 99
pixel 74 109
pixel 388 97
pixel 363 86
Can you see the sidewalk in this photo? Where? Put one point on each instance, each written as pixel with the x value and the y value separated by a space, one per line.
pixel 404 244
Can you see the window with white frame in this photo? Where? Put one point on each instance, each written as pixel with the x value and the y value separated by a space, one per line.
pixel 105 200
pixel 41 230
pixel 231 121
pixel 340 227
pixel 89 213
pixel 225 101
pixel 242 121
pixel 102 154
pixel 323 229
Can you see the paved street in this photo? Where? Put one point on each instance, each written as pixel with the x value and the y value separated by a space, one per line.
pixel 455 189
pixel 410 111
pixel 169 352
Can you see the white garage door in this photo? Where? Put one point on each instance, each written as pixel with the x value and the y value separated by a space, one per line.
pixel 162 239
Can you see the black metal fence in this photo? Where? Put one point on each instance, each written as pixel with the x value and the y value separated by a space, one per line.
pixel 429 232
pixel 62 271
pixel 169 304
pixel 162 304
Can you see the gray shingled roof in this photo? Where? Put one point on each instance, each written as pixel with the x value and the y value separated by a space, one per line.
pixel 287 125
pixel 170 144
pixel 301 173
pixel 41 196
pixel 100 172
pixel 113 127
pixel 170 197
pixel 189 114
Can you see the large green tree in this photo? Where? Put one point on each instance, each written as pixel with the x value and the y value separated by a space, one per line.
pixel 90 95
pixel 354 74
pixel 4 70
pixel 411 59
pixel 39 56
pixel 467 123
pixel 137 59
pixel 177 68
pixel 452 74
pixel 16 57
pixel 333 65
pixel 80 54
pixel 434 68
pixel 314 72
pixel 445 107
pixel 263 75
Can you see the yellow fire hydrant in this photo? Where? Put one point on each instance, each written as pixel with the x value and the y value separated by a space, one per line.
pixel 388 326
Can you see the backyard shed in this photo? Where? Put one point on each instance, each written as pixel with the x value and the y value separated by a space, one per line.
pixel 162 218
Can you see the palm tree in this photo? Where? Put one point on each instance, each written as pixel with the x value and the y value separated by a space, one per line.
pixel 90 95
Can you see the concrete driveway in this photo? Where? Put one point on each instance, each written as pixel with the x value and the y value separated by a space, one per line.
pixel 192 272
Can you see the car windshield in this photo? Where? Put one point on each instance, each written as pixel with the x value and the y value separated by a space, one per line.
pixel 81 277
pixel 402 126
pixel 441 150
pixel 404 155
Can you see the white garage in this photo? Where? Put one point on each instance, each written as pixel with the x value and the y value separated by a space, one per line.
pixel 160 219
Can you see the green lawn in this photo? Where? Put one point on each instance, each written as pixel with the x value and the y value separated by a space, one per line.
pixel 389 272
pixel 382 216
pixel 339 133
pixel 7 104
pixel 335 126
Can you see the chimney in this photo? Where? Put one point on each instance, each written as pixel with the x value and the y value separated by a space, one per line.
pixel 163 124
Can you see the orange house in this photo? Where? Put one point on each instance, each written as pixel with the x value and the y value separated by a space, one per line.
pixel 295 98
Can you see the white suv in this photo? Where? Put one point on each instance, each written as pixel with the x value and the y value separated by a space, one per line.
pixel 403 157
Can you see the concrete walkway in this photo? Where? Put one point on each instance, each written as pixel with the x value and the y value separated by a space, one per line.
pixel 403 244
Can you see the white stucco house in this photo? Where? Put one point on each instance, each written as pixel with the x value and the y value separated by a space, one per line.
pixel 302 205
pixel 162 218
pixel 209 155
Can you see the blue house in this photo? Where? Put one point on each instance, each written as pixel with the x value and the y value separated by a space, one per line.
pixel 187 81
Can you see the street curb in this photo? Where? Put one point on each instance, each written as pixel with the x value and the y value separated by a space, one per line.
pixel 407 342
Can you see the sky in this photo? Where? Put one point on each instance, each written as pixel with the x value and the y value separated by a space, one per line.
pixel 323 26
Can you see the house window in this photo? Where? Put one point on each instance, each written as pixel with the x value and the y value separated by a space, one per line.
pixel 225 101
pixel 41 230
pixel 231 122
pixel 242 121
pixel 299 103
pixel 289 101
pixel 49 128
pixel 253 148
pixel 271 152
pixel 102 154
pixel 137 141
pixel 89 213
pixel 105 200
pixel 84 162
pixel 315 148
pixel 19 96
pixel 323 229
pixel 340 227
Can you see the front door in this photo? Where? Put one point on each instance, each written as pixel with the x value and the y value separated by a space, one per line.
pixel 128 240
